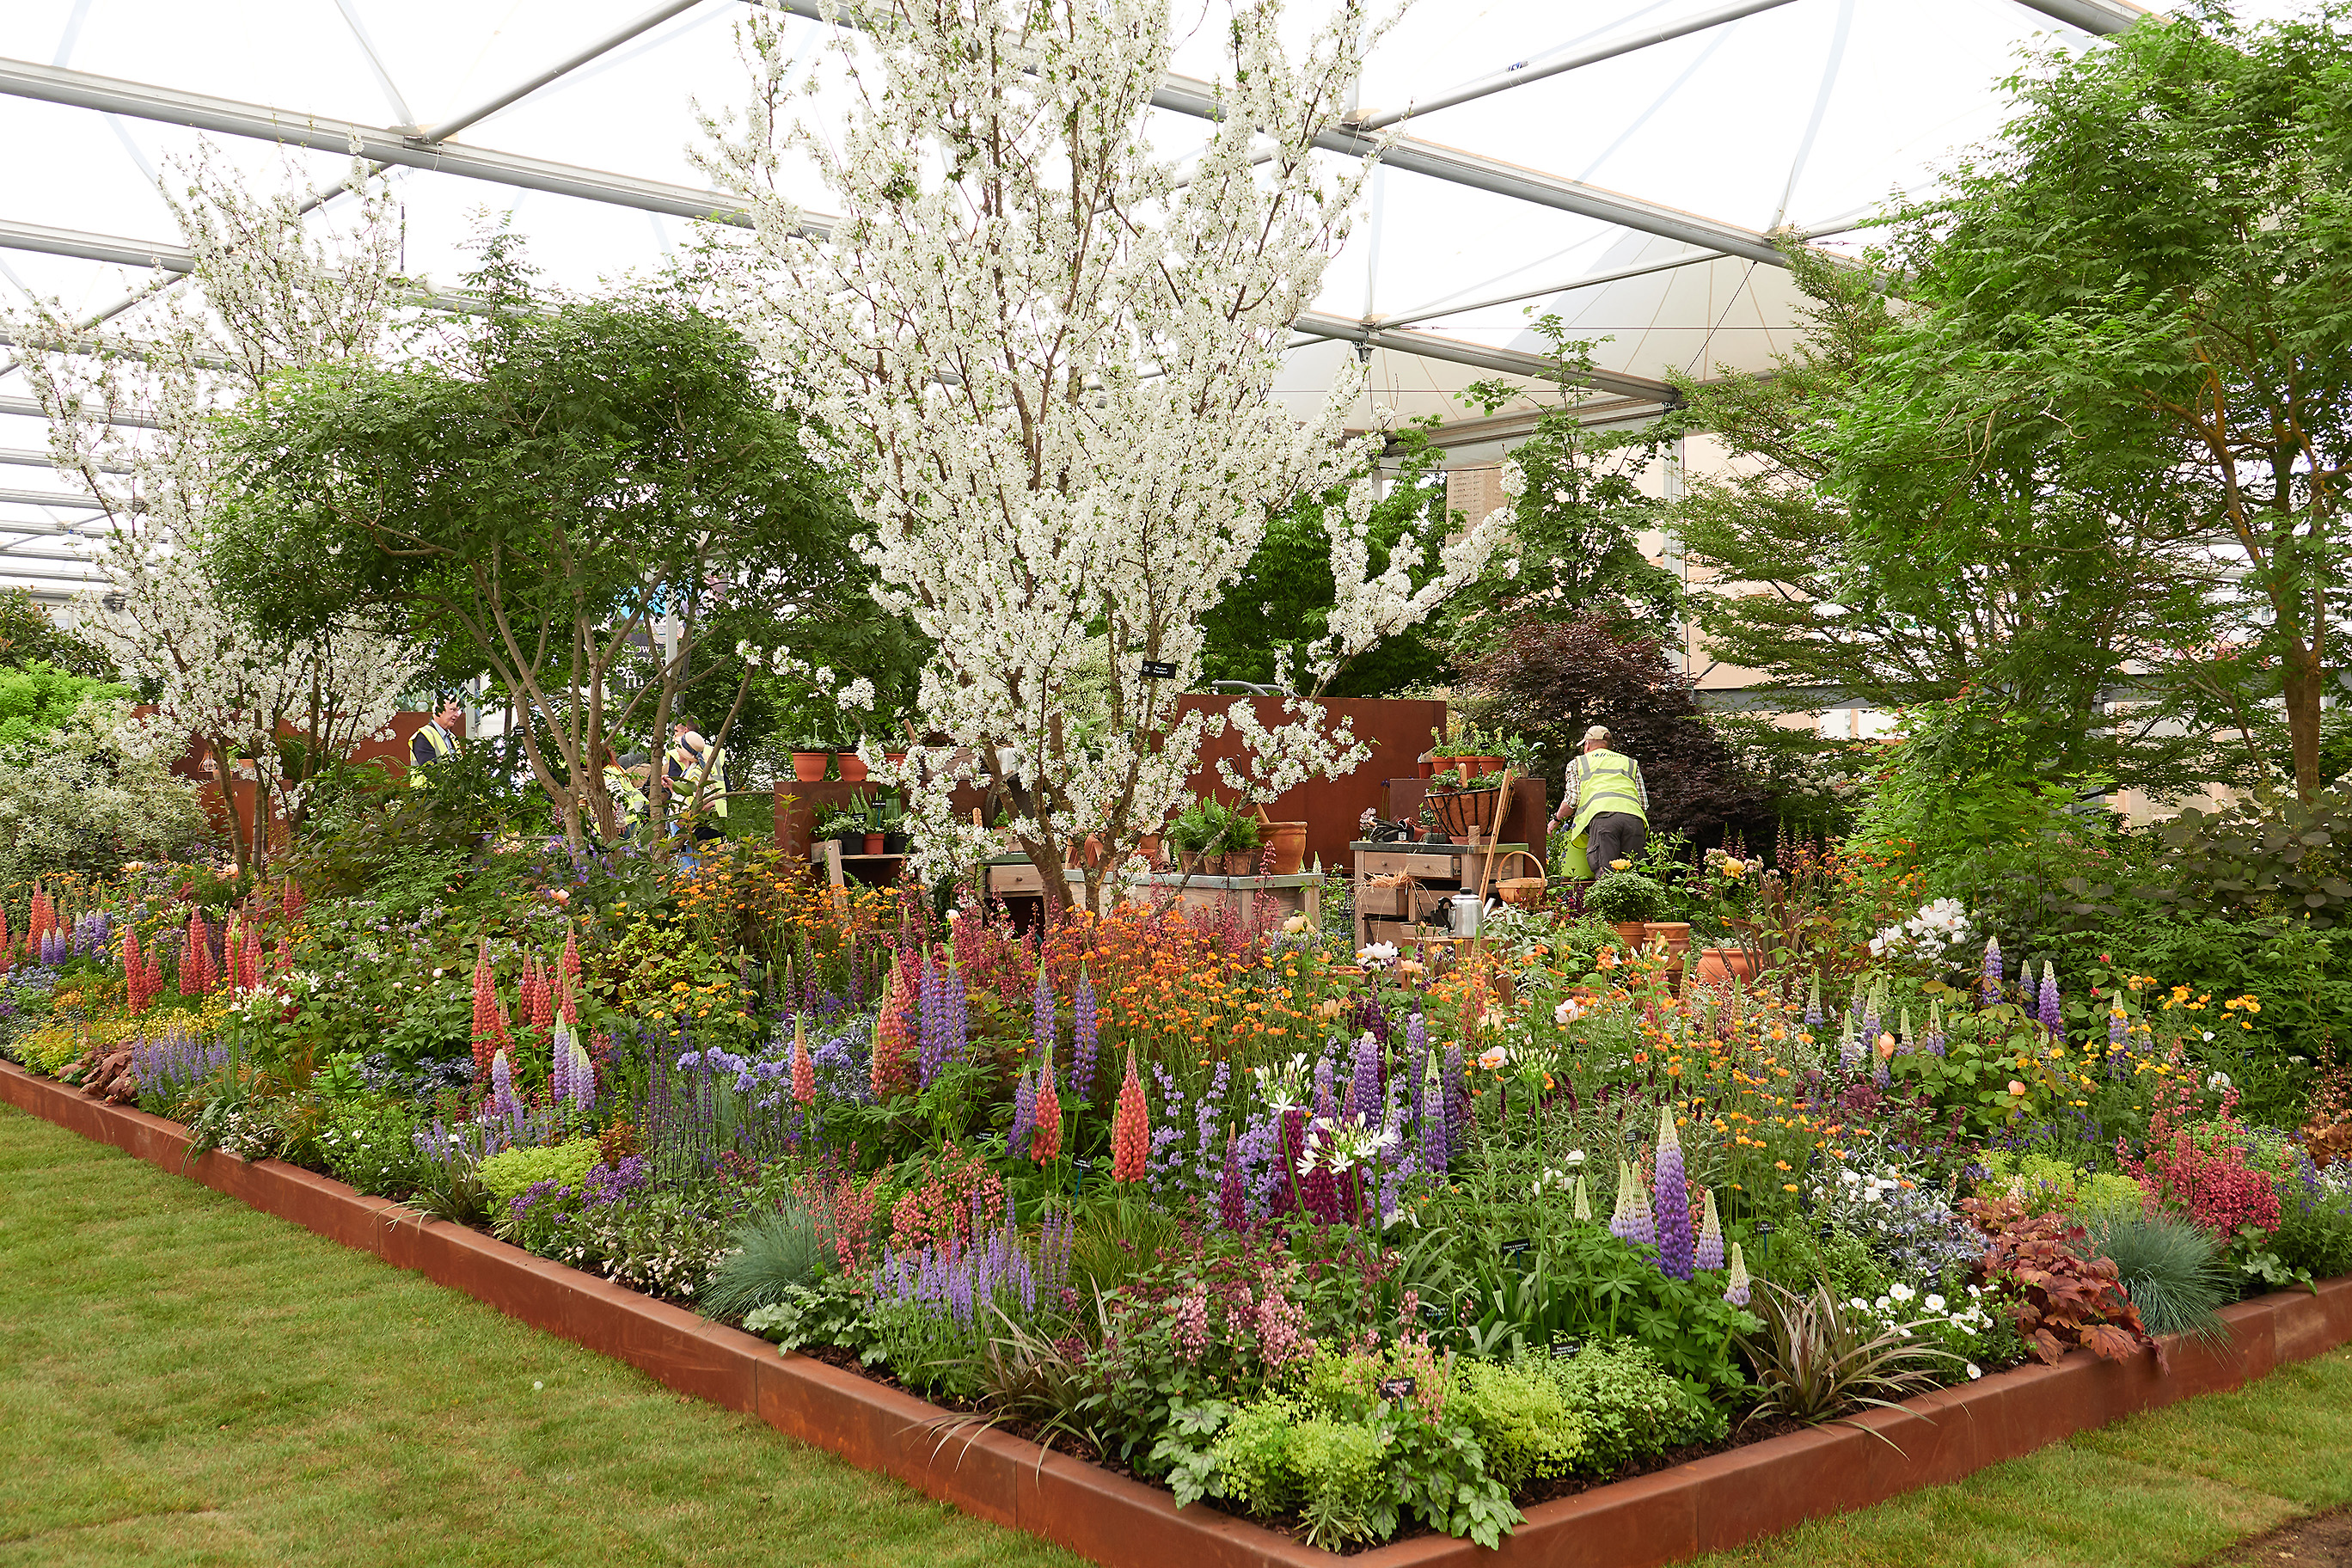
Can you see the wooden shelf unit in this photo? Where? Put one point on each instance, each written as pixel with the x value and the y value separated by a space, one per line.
pixel 1438 871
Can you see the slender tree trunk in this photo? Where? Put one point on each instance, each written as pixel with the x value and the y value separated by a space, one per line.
pixel 2304 686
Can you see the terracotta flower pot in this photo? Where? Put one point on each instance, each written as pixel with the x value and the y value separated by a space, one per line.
pixel 808 767
pixel 1242 863
pixel 894 758
pixel 853 766
pixel 1427 764
pixel 1479 766
pixel 1676 932
pixel 1633 933
pixel 1289 842
pixel 874 844
pixel 1150 848
pixel 1720 963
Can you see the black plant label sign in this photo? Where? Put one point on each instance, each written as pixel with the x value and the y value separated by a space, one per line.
pixel 1396 1388
pixel 1564 1349
pixel 1159 669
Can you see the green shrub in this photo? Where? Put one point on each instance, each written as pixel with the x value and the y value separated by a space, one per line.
pixel 1253 1456
pixel 514 1172
pixel 2050 1183
pixel 1519 1417
pixel 1631 1409
pixel 2171 1268
pixel 370 1144
pixel 1621 898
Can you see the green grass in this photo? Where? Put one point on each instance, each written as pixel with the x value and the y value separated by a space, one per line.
pixel 182 1380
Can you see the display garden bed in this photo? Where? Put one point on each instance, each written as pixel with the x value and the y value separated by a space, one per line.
pixel 1708 1504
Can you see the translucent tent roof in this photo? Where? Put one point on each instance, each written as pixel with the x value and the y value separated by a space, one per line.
pixel 1616 162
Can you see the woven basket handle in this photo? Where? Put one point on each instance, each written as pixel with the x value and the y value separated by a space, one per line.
pixel 1542 869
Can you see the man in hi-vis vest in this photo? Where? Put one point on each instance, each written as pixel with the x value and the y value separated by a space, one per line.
pixel 1611 804
pixel 434 741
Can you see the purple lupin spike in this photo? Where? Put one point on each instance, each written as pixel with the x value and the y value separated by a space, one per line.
pixel 1416 1038
pixel 2053 1019
pixel 1677 1250
pixel 1994 971
pixel 1327 1104
pixel 934 1024
pixel 959 1023
pixel 1024 1116
pixel 1457 1105
pixel 1434 1138
pixel 1083 1034
pixel 1041 1009
pixel 1364 1083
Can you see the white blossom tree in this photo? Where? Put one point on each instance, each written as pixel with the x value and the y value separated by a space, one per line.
pixel 130 416
pixel 1046 354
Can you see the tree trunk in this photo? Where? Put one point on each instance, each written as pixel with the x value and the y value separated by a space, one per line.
pixel 2304 686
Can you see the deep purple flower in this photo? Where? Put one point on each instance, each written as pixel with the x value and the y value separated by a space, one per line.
pixel 2053 1019
pixel 1083 1028
pixel 1434 1138
pixel 1024 1117
pixel 1041 1012
pixel 1992 971
pixel 1232 1196
pixel 1677 1250
pixel 1457 1105
pixel 1364 1083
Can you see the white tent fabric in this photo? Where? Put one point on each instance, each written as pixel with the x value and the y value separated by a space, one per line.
pixel 1799 113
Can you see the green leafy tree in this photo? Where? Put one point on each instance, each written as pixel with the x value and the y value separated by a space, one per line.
pixel 2154 262
pixel 1873 540
pixel 29 636
pixel 536 501
pixel 1576 531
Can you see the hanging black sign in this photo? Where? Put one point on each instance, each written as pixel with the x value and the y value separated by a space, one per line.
pixel 1159 669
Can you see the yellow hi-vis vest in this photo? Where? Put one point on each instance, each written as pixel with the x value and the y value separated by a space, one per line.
pixel 694 786
pixel 444 746
pixel 1605 781
pixel 628 800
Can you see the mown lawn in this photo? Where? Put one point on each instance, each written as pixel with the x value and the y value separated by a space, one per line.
pixel 182 1380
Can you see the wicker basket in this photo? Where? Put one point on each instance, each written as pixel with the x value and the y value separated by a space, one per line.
pixel 1462 813
pixel 1524 892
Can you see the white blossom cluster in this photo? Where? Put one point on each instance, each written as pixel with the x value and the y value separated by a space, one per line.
pixel 1936 930
pixel 270 295
pixel 1043 356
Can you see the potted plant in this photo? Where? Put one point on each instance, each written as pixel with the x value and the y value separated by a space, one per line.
pixel 811 755
pixel 1628 900
pixel 890 815
pixel 846 828
pixel 852 766
pixel 1242 838
pixel 1189 836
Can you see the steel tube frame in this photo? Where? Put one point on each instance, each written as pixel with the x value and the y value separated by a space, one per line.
pixel 1509 362
pixel 169 106
pixel 1503 81
pixel 1668 265
pixel 1198 98
pixel 66 498
pixel 31 409
pixel 2103 18
pixel 25 457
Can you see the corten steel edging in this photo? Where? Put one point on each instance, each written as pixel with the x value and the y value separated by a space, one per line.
pixel 1709 1504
